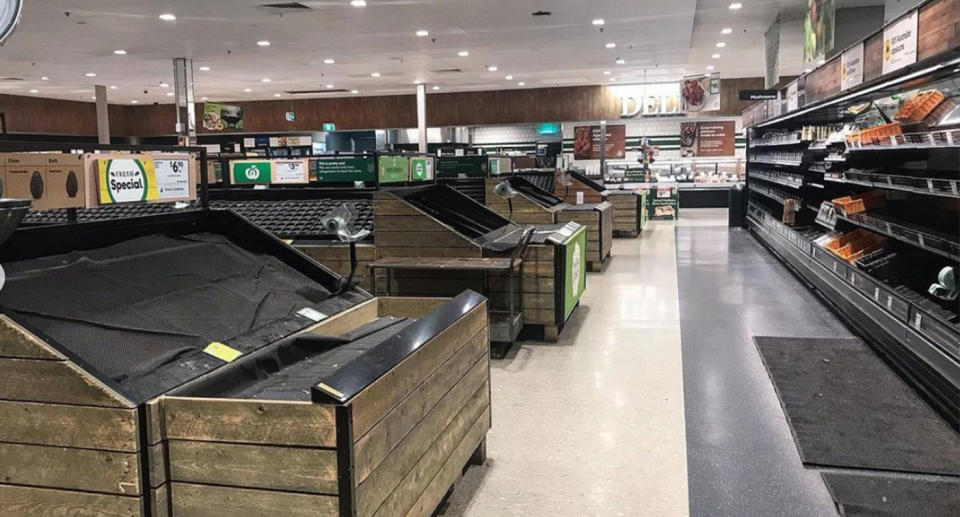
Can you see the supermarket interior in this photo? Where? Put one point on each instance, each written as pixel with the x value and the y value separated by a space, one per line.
pixel 479 258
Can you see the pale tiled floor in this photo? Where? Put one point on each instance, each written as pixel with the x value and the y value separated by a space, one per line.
pixel 593 425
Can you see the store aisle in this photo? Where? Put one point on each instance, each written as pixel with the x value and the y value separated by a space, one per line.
pixel 741 454
pixel 593 425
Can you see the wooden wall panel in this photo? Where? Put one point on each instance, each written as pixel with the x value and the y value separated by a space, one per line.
pixel 873 57
pixel 938 27
pixel 824 81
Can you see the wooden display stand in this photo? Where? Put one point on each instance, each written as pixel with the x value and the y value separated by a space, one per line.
pixel 393 446
pixel 630 212
pixel 403 230
pixel 336 256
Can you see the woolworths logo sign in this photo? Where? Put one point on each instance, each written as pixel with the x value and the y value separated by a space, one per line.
pixel 251 172
pixel 126 181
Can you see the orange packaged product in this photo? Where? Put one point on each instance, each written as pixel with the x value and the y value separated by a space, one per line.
pixel 918 108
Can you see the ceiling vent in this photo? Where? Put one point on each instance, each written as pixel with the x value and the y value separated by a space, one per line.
pixel 541 13
pixel 447 71
pixel 284 7
pixel 317 92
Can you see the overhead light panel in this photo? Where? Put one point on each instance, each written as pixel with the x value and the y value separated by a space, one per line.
pixel 248 90
pixel 721 44
pixel 329 86
pixel 204 68
pixel 611 45
pixel 715 56
pixel 354 91
pixel 521 83
pixel 120 52
pixel 169 94
pixel 736 5
pixel 34 91
pixel 509 77
pixel 621 61
pixel 423 33
pixel 263 43
pixel 277 95
pixel 168 17
pixel 492 68
pixel 265 80
pixel 612 79
pixel 203 98
pixel 726 30
pixel 435 88
pixel 358 3
pixel 113 87
pixel 418 81
pixel 329 61
pixel 463 53
pixel 598 21
pixel 134 102
pixel 44 78
pixel 90 74
pixel 164 85
pixel 375 74
pixel 606 72
pixel 807 70
pixel 710 67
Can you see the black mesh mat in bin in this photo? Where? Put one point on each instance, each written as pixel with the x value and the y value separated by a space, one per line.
pixel 140 312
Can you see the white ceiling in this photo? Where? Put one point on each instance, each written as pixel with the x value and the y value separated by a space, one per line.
pixel 659 39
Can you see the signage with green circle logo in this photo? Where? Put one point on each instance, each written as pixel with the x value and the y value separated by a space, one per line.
pixel 251 172
pixel 421 169
pixel 126 180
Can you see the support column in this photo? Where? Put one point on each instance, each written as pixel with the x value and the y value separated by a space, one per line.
pixel 422 117
pixel 103 115
pixel 603 147
pixel 183 94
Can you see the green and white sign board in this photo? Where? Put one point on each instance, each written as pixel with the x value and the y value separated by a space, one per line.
pixel 344 170
pixel 462 167
pixel 421 169
pixel 251 171
pixel 393 169
pixel 329 126
pixel 575 280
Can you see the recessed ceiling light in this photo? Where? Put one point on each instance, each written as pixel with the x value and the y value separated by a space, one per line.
pixel 463 53
pixel 606 72
pixel 612 79
pixel 736 5
pixel 134 102
pixel 509 77
pixel 113 87
pixel 263 43
pixel 598 21
pixel 44 78
pixel 329 61
pixel 265 80
pixel 492 68
pixel 120 52
pixel 203 98
pixel 435 88
pixel 329 86
pixel 248 90
pixel 204 68
pixel 611 45
pixel 167 17
pixel 709 67
pixel 93 98
pixel 621 61
pixel 277 95
pixel 164 85
pixel 418 81
pixel 358 3
pixel 721 44
pixel 423 33
pixel 521 83
pixel 354 91
pixel 375 74
pixel 34 91
pixel 726 30
pixel 806 70
pixel 169 94
pixel 90 74
pixel 715 56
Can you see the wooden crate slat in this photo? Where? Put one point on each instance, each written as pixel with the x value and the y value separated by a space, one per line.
pixel 70 469
pixel 293 469
pixel 82 427
pixel 54 381
pixel 250 421
pixel 216 501
pixel 21 501
pixel 408 307
pixel 16 341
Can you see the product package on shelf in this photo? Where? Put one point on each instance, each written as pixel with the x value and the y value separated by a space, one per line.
pixel 858 203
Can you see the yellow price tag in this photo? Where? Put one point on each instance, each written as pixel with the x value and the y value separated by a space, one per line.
pixel 222 352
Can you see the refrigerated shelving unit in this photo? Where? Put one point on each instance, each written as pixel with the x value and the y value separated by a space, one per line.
pixel 885 294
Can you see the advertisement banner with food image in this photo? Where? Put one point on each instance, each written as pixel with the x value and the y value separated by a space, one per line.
pixel 900 43
pixel 818 28
pixel 586 142
pixel 222 117
pixel 708 138
pixel 700 94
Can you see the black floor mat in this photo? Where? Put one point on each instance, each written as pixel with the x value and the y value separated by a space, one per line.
pixel 872 494
pixel 848 409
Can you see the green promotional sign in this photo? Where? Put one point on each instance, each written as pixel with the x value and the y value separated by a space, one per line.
pixel 576 271
pixel 343 170
pixel 421 169
pixel 462 166
pixel 393 169
pixel 250 172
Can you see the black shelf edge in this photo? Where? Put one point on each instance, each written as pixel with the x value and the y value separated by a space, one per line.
pixel 950 188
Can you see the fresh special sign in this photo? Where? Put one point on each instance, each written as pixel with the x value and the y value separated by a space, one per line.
pixel 126 181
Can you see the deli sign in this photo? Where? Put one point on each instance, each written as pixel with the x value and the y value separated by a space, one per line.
pixel 649 100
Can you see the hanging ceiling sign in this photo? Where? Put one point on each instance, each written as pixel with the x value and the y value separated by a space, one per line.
pixel 851 67
pixel 900 43
pixel 758 95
